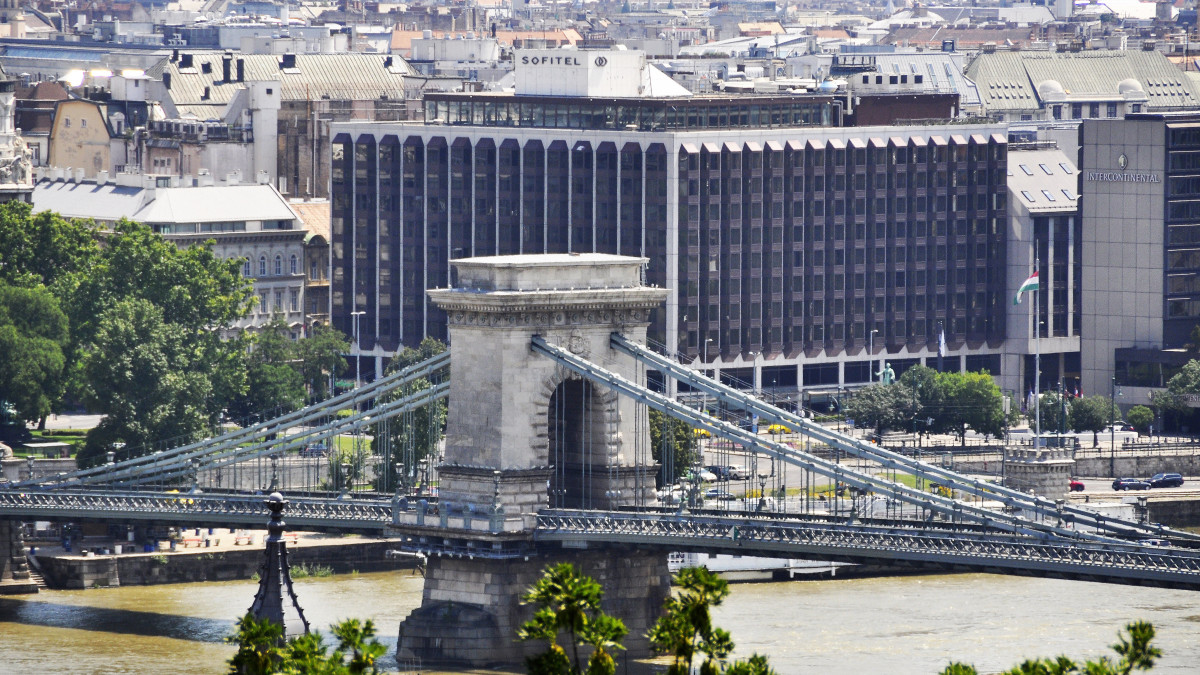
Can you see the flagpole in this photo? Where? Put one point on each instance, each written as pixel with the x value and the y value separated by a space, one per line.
pixel 1037 361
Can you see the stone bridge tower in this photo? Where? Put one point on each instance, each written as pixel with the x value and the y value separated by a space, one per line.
pixel 527 433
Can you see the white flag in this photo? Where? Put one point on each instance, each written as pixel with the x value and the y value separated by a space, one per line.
pixel 942 343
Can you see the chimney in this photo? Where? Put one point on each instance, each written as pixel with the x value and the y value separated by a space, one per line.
pixel 289 61
pixel 174 55
pixel 102 178
pixel 387 62
pixel 167 80
pixel 241 70
pixel 80 174
pixel 204 96
pixel 263 178
pixel 185 61
pixel 226 63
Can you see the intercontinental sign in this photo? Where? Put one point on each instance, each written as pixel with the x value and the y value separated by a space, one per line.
pixel 1122 177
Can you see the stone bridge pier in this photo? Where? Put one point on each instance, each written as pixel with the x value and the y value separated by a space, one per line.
pixel 524 433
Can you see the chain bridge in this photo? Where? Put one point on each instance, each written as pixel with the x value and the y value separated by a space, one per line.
pixel 548 456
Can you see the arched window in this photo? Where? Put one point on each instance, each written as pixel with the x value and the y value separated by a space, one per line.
pixel 278 265
pixel 246 267
pixel 262 265
pixel 294 267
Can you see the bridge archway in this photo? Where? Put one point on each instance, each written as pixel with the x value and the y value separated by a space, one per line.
pixel 580 418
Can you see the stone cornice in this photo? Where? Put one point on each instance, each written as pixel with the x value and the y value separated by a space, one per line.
pixel 546 308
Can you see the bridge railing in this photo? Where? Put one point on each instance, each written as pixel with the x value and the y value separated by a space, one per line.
pixel 888 459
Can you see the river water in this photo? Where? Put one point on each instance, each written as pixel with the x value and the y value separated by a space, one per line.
pixel 896 625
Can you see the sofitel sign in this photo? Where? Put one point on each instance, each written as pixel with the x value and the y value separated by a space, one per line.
pixel 550 61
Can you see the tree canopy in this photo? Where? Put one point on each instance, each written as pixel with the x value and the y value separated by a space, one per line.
pixel 153 325
pixel 33 335
pixel 1134 652
pixel 568 604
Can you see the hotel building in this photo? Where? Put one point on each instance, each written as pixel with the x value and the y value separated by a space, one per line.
pixel 791 244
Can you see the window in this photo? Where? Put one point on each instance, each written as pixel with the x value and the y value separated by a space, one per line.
pixel 262 265
pixel 1112 109
pixel 1046 169
pixel 278 300
pixel 313 272
pixel 246 267
pixel 278 265
pixel 1066 168
pixel 1026 169
pixel 1049 195
pixel 294 300
pixel 1028 197
pixel 1076 111
pixel 67 122
pixel 1057 112
pixel 293 267
pixel 1135 107
pixel 1068 194
pixel 82 124
pixel 262 303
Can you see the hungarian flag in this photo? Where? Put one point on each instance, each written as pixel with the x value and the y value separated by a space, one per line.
pixel 1031 284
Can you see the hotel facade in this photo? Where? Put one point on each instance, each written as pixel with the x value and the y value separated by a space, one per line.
pixel 791 245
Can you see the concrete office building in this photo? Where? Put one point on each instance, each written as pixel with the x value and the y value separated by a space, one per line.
pixel 1141 213
pixel 790 244
pixel 1045 231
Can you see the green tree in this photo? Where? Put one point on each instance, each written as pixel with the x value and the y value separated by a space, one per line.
pixel 973 400
pixel 1092 413
pixel 926 398
pixel 672 441
pixel 686 630
pixel 261 650
pixel 1134 652
pixel 410 438
pixel 273 384
pixel 1141 418
pixel 149 320
pixel 882 407
pixel 321 355
pixel 569 603
pixel 33 335
pixel 1051 404
pixel 149 378
pixel 43 249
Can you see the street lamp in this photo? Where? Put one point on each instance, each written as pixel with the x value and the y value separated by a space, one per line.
pixel 1112 429
pixel 871 354
pixel 357 347
pixel 755 376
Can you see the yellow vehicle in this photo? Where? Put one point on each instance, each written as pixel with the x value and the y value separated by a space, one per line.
pixel 702 433
pixel 778 429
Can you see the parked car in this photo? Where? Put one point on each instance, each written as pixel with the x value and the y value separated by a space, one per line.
pixel 721 472
pixel 1130 484
pixel 702 433
pixel 1154 542
pixel 1161 480
pixel 1076 486
pixel 778 429
pixel 719 495
pixel 736 473
pixel 314 450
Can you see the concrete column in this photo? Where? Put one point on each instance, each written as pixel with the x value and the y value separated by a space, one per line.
pixel 14 567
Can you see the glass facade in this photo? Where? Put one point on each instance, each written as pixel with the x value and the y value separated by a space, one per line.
pixel 1182 283
pixel 792 248
pixel 807 248
pixel 696 113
